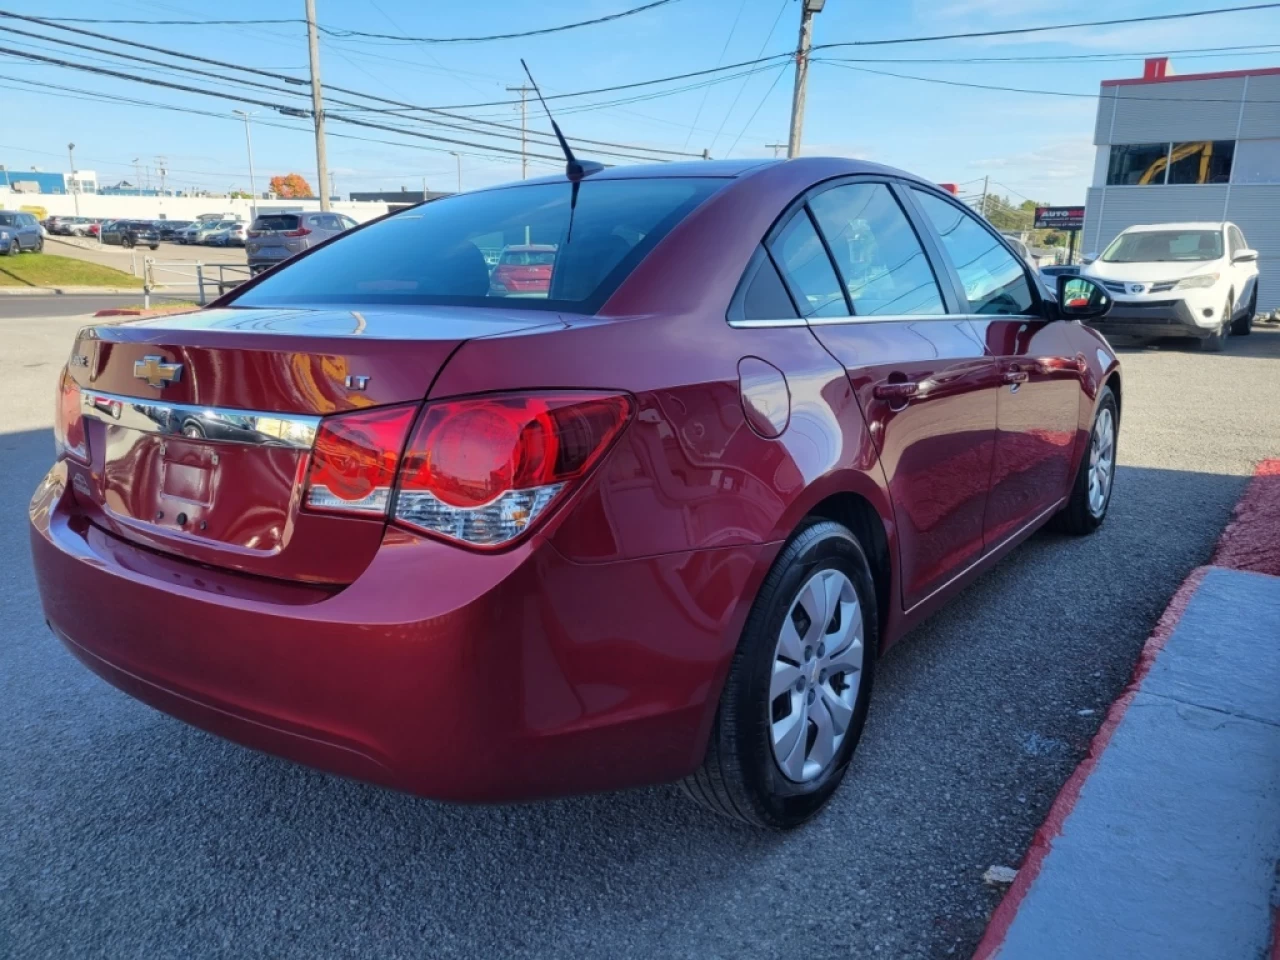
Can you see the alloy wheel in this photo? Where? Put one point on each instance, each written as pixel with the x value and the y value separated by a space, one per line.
pixel 1101 461
pixel 817 672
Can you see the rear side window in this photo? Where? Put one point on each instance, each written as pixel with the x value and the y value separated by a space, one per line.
pixel 276 221
pixel 436 253
pixel 879 255
pixel 994 280
pixel 8 219
pixel 807 269
pixel 762 295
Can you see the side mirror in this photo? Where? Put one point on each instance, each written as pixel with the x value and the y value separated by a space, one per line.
pixel 1082 298
pixel 1089 258
pixel 1245 255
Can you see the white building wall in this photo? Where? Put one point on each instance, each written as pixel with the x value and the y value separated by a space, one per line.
pixel 1243 109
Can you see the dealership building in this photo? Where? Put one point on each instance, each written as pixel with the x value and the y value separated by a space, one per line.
pixel 1205 146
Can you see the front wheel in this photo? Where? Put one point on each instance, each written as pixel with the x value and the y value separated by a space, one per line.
pixel 795 701
pixel 1244 325
pixel 126 241
pixel 155 246
pixel 1091 493
pixel 13 249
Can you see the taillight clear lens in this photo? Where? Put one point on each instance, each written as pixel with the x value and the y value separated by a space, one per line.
pixel 353 462
pixel 481 470
pixel 68 423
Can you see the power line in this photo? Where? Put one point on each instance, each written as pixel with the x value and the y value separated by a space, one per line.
pixel 1031 90
pixel 733 28
pixel 781 70
pixel 1012 31
pixel 302 83
pixel 340 33
pixel 1252 49
pixel 742 89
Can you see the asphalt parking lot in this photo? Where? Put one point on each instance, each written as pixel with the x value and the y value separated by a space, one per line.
pixel 126 834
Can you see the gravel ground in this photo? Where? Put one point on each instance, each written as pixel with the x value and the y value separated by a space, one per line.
pixel 124 833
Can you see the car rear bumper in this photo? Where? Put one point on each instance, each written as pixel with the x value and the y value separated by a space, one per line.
pixel 1154 318
pixel 459 676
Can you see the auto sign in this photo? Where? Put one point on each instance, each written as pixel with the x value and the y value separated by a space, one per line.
pixel 1060 218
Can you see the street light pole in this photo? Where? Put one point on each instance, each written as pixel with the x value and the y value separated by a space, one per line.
pixel 75 192
pixel 524 139
pixel 137 174
pixel 807 10
pixel 248 142
pixel 457 156
pixel 317 105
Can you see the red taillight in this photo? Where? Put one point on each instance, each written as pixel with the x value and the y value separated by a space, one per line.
pixel 480 471
pixel 300 232
pixel 353 462
pixel 68 425
pixel 253 233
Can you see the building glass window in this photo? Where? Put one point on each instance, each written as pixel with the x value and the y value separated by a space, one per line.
pixel 1256 161
pixel 1202 161
pixel 1137 164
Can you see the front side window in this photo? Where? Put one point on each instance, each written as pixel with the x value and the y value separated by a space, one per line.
pixel 1164 246
pixel 1138 164
pixel 436 253
pixel 1204 161
pixel 879 255
pixel 994 280
pixel 808 271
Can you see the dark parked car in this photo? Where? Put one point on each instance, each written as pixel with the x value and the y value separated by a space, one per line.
pixel 131 233
pixel 277 236
pixel 658 522
pixel 170 230
pixel 19 231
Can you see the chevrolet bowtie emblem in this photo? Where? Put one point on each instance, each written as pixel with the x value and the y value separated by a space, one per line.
pixel 157 372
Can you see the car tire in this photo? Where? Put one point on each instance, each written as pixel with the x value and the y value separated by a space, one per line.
pixel 1216 342
pixel 1243 326
pixel 14 248
pixel 155 246
pixel 39 247
pixel 126 240
pixel 1085 511
pixel 741 776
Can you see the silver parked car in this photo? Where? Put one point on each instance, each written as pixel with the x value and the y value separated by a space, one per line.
pixel 278 236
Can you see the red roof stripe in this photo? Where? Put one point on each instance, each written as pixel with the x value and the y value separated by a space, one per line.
pixel 1224 75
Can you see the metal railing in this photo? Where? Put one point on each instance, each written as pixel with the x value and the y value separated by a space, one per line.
pixel 188 276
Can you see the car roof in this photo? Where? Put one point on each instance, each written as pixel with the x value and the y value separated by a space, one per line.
pixel 1187 225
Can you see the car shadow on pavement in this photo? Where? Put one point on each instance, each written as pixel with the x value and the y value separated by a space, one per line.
pixel 129 833
pixel 1264 342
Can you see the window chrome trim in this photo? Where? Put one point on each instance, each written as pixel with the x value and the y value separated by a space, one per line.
pixel 756 323
pixel 214 424
pixel 880 318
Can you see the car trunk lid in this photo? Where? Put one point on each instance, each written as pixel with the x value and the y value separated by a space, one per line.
pixel 200 426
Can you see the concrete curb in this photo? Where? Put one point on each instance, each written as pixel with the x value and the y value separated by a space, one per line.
pixel 66 291
pixel 1251 542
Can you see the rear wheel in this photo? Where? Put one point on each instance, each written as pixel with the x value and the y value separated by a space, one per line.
pixel 796 698
pixel 126 240
pixel 1091 493
pixel 1244 325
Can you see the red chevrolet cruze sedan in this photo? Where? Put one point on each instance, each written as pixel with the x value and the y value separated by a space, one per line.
pixel 655 524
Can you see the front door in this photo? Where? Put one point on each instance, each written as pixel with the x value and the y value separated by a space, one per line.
pixel 1036 376
pixel 921 374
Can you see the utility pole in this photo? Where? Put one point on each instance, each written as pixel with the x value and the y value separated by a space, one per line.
pixel 248 142
pixel 807 9
pixel 75 187
pixel 775 147
pixel 524 139
pixel 317 104
pixel 160 164
pixel 706 153
pixel 333 184
pixel 137 174
pixel 458 157
pixel 985 183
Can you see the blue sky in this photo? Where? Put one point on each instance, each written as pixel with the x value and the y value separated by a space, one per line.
pixel 1031 145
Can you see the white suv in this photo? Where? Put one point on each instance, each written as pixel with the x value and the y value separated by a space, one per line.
pixel 1179 280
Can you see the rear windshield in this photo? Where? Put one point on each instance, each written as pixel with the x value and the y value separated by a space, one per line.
pixel 528 258
pixel 1162 246
pixel 276 221
pixel 445 252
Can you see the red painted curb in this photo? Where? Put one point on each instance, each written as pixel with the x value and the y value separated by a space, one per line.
pixel 1003 917
pixel 1252 539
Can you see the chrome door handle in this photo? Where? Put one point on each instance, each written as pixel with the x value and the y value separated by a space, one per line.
pixel 1015 376
pixel 897 392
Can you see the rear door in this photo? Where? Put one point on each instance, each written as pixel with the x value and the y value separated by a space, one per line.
pixel 1038 374
pixel 864 277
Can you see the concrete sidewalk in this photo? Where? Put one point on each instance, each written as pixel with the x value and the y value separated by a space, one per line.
pixel 1165 842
